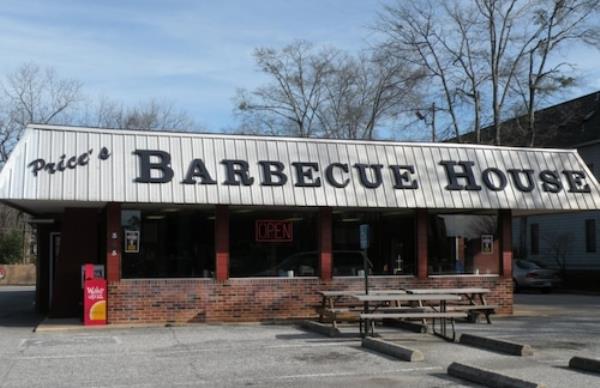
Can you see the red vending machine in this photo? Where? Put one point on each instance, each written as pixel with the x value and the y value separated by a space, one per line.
pixel 94 298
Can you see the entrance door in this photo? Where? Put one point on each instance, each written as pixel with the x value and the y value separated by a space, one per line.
pixel 53 259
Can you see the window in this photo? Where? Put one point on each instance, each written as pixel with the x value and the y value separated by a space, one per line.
pixel 273 243
pixel 535 239
pixel 590 236
pixel 463 244
pixel 388 243
pixel 167 243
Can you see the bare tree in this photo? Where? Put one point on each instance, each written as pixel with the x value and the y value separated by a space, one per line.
pixel 33 94
pixel 289 104
pixel 325 92
pixel 559 246
pixel 559 23
pixel 364 91
pixel 152 114
pixel 467 52
pixel 489 53
pixel 414 34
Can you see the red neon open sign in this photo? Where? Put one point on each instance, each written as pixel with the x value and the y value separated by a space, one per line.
pixel 274 231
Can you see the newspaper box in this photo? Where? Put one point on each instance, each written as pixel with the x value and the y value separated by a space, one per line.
pixel 94 298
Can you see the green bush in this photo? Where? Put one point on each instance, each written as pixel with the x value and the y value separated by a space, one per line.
pixel 11 247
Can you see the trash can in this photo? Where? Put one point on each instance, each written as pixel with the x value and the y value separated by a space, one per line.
pixel 94 298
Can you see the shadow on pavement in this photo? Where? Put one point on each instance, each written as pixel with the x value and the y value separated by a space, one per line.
pixel 446 377
pixel 308 335
pixel 577 371
pixel 17 308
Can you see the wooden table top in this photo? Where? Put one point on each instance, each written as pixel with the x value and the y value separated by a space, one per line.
pixel 352 293
pixel 405 297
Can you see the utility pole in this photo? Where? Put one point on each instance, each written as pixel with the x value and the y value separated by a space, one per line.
pixel 433 122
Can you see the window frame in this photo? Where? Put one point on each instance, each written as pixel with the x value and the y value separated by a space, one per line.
pixel 590 236
pixel 534 246
pixel 165 212
pixel 466 250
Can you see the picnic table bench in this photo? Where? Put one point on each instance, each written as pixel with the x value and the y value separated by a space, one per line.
pixel 331 310
pixel 376 308
pixel 474 296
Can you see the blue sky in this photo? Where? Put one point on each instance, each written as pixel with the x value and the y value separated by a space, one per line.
pixel 193 53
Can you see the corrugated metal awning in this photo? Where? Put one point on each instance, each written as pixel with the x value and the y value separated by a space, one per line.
pixel 85 165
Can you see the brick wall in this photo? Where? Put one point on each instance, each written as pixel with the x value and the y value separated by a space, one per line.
pixel 246 300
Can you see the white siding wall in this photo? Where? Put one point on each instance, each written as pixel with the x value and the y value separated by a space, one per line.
pixel 113 179
pixel 555 225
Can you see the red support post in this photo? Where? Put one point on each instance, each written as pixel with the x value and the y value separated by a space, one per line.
pixel 113 242
pixel 325 242
pixel 221 242
pixel 422 254
pixel 505 217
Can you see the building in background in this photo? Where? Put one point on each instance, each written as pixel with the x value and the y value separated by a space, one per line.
pixel 564 241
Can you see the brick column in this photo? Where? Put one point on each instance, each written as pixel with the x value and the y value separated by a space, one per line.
pixel 113 242
pixel 221 242
pixel 422 254
pixel 505 221
pixel 325 242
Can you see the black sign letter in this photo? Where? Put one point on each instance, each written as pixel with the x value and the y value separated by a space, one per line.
pixel 402 178
pixel 36 166
pixel 453 175
pixel 146 166
pixel 516 178
pixel 362 174
pixel 304 171
pixel 551 181
pixel 237 168
pixel 331 178
pixel 269 172
pixel 489 183
pixel 198 169
pixel 576 181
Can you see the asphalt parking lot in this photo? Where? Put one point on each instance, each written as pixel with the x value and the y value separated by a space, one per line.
pixel 557 326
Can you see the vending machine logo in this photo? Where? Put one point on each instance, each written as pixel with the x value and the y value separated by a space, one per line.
pixel 95 293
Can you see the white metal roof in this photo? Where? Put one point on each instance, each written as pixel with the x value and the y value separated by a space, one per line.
pixel 113 179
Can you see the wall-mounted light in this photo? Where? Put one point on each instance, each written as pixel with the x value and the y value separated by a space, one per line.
pixel 155 217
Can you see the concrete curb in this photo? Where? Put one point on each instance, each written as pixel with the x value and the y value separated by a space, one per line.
pixel 585 364
pixel 321 328
pixel 488 378
pixel 496 345
pixel 391 349
pixel 69 325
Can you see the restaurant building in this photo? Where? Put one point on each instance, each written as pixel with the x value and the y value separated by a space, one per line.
pixel 209 227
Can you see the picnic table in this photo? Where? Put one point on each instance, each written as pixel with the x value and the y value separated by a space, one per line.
pixel 389 306
pixel 331 310
pixel 474 296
